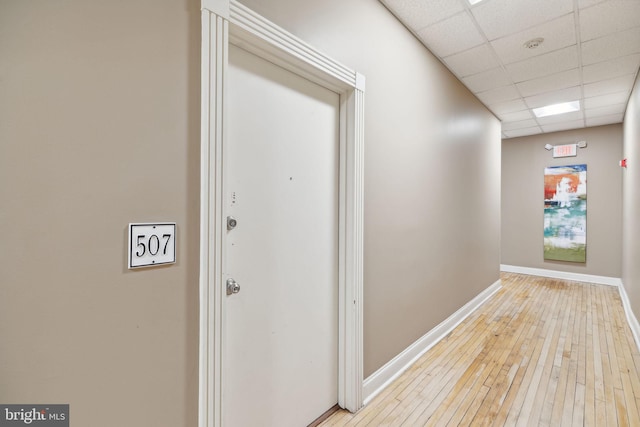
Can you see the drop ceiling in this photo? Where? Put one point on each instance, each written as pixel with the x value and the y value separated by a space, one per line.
pixel 590 52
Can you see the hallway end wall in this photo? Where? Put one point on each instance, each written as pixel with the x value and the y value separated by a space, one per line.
pixel 523 162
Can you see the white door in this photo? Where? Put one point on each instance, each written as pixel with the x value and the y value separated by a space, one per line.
pixel 281 184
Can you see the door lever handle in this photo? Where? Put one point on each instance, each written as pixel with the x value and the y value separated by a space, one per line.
pixel 232 287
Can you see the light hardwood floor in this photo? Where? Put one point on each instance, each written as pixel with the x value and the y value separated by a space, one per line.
pixel 540 352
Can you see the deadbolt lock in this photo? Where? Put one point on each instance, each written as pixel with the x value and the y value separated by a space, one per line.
pixel 231 223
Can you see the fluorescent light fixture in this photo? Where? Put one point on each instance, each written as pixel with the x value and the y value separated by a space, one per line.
pixel 552 110
pixel 472 2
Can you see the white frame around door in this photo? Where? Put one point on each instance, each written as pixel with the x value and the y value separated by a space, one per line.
pixel 227 22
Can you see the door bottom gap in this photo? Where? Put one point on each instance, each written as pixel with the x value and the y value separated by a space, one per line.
pixel 335 408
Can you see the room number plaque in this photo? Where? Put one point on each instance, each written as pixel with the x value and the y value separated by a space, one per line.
pixel 152 244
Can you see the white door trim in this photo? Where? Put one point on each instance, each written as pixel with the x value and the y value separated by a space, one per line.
pixel 225 22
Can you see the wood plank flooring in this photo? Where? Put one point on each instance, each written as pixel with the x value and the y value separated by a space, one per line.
pixel 540 352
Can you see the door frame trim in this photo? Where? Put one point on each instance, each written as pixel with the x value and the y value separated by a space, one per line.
pixel 227 22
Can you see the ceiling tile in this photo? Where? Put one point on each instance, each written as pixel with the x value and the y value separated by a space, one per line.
pixel 604 120
pixel 522 132
pixel 544 65
pixel 557 34
pixel 613 46
pixel 513 106
pixel 472 61
pixel 609 99
pixel 522 124
pixel 556 127
pixel 418 14
pixel 608 17
pixel 516 116
pixel 452 35
pixel 500 94
pixel 590 52
pixel 486 80
pixel 548 83
pixel 564 95
pixel 606 110
pixel 586 3
pixel 603 87
pixel 498 18
pixel 611 68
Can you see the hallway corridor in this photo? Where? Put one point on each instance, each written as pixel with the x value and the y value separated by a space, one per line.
pixel 539 352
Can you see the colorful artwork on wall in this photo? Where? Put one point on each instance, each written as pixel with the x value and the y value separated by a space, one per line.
pixel 565 213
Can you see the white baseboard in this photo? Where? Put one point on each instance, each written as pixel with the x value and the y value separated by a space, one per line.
pixel 631 318
pixel 377 381
pixel 554 274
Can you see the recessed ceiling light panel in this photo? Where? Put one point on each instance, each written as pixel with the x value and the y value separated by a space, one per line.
pixel 472 2
pixel 552 110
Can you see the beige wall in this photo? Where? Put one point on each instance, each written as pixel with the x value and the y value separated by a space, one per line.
pixel 631 202
pixel 432 178
pixel 99 127
pixel 523 163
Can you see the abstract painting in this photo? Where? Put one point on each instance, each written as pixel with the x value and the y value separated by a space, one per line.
pixel 565 213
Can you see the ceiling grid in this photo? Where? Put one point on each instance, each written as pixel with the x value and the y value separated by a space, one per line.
pixel 590 53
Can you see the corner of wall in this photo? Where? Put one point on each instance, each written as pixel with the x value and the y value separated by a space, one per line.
pixel 631 318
